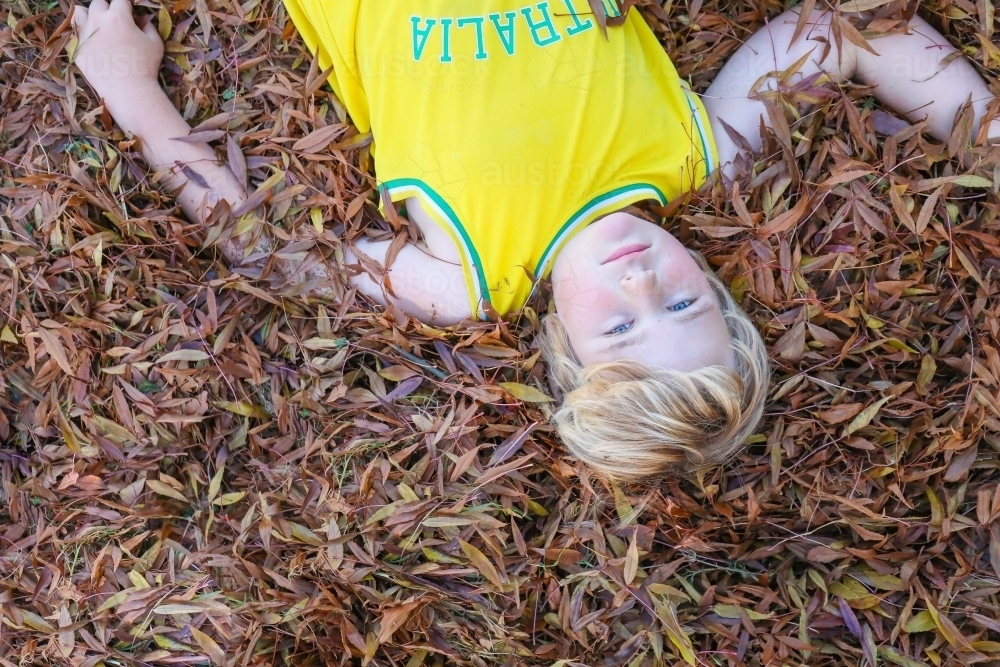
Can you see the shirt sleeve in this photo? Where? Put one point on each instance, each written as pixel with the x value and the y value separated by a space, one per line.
pixel 328 29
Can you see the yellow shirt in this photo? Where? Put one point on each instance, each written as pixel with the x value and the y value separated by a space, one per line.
pixel 514 122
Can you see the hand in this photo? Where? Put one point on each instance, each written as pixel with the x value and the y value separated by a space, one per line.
pixel 119 60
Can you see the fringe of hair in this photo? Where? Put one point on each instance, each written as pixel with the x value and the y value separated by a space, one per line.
pixel 631 422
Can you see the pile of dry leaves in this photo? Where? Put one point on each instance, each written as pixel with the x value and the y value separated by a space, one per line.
pixel 198 466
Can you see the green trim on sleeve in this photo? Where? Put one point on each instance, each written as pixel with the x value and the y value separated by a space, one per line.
pixel 440 210
pixel 706 150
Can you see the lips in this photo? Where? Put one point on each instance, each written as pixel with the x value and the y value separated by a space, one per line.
pixel 625 251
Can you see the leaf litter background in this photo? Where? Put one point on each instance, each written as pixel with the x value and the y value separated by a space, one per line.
pixel 200 466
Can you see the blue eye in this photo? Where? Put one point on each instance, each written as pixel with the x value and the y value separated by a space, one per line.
pixel 621 328
pixel 679 306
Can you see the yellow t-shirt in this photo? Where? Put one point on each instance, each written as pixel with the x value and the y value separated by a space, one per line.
pixel 515 122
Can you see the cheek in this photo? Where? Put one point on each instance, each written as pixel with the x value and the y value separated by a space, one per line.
pixel 577 284
pixel 683 273
pixel 586 294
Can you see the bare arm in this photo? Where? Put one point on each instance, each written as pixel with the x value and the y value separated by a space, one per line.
pixel 917 74
pixel 430 289
pixel 121 63
pixel 156 127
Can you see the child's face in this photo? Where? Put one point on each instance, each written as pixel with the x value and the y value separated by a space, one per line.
pixel 625 288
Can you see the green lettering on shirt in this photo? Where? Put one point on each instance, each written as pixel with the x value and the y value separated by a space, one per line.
pixel 420 36
pixel 446 41
pixel 545 24
pixel 578 25
pixel 505 32
pixel 476 21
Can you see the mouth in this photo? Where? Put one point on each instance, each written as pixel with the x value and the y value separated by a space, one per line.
pixel 626 251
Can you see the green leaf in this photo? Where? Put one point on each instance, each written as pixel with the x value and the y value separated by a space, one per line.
pixel 973 181
pixel 175 609
pixel 733 611
pixel 324 343
pixel 922 622
pixel 896 658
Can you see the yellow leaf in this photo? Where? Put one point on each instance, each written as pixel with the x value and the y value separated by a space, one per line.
pixel 937 509
pixel 229 498
pixel 316 216
pixel 397 373
pixel 385 512
pixel 927 369
pixel 523 392
pixel 438 557
pixel 7 336
pixel 213 486
pixel 115 600
pixel 271 181
pixel 866 416
pixel 817 579
pixel 138 580
pixel 165 23
pixel 631 560
pixel 733 611
pixel 482 563
pixel 113 430
pixel 98 255
pixel 183 355
pixel 303 534
pixel 406 492
pixel 36 622
pixel 536 508
pixel 165 490
pixel 986 646
pixel 169 644
pixel 244 409
pixel 624 508
pixel 294 610
pixel 668 616
pixel 947 629
pixel 209 646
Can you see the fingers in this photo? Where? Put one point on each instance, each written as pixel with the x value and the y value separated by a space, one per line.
pixel 79 17
pixel 122 6
pixel 98 7
pixel 151 32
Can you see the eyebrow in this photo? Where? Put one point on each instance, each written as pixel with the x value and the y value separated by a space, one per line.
pixel 682 319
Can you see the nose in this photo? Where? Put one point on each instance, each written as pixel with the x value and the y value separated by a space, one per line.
pixel 638 283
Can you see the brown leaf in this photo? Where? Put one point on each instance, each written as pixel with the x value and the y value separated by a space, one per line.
pixel 840 413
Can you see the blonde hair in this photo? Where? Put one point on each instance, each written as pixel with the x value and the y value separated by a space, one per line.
pixel 632 422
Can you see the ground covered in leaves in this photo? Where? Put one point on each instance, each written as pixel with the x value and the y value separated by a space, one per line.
pixel 199 466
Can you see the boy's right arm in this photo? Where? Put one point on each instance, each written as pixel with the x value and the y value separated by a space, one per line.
pixel 121 62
